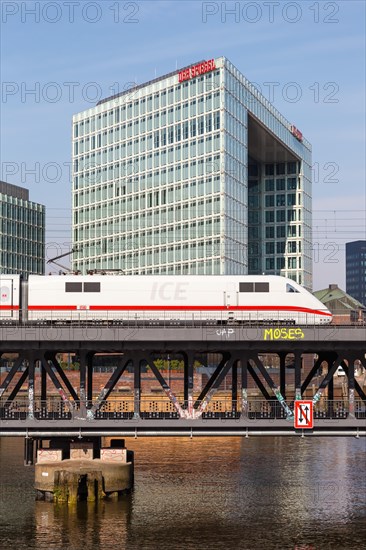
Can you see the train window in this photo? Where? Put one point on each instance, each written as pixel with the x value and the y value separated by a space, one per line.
pixel 246 287
pixel 261 287
pixel 73 287
pixel 253 287
pixel 91 287
pixel 290 288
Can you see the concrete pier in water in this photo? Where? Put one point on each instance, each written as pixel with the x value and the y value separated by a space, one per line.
pixel 69 471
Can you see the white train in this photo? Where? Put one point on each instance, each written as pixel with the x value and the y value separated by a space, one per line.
pixel 158 299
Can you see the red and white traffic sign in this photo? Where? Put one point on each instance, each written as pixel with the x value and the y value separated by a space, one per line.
pixel 304 415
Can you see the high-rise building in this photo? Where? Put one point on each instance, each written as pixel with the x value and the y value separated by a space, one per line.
pixel 356 270
pixel 22 231
pixel 194 172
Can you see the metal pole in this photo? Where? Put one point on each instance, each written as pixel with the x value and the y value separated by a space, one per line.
pixel 136 386
pixel 82 395
pixel 188 382
pixel 282 356
pixel 331 395
pixel 353 432
pixel 168 370
pixel 234 387
pixel 89 380
pixel 43 384
pixel 351 384
pixel 28 451
pixel 31 361
pixel 244 385
pixel 298 362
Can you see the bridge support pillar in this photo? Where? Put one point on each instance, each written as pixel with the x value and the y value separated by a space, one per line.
pixel 89 379
pixel 136 386
pixel 244 384
pixel 28 451
pixel 188 381
pixel 330 396
pixel 31 374
pixel 282 357
pixel 351 384
pixel 298 364
pixel 83 390
pixel 234 387
pixel 43 384
pixel 69 471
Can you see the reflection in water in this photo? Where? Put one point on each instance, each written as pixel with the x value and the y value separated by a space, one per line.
pixel 255 493
pixel 88 524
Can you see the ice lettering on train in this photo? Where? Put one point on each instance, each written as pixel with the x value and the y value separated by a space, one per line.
pixel 169 291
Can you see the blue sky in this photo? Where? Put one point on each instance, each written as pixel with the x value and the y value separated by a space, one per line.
pixel 307 57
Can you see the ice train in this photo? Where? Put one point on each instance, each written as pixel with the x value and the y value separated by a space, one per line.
pixel 120 299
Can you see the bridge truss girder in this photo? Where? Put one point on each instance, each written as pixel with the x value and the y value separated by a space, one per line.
pixel 244 359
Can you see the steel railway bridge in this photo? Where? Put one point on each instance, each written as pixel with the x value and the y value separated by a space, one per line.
pixel 238 350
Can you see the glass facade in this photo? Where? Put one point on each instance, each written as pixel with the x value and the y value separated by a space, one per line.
pixel 22 232
pixel 170 178
pixel 356 270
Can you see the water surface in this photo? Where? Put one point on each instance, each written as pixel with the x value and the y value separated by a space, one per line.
pixel 209 493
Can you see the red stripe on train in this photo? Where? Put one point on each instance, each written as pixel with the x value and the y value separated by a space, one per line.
pixel 180 308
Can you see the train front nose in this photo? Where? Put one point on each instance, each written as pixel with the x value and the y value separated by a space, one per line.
pixel 327 316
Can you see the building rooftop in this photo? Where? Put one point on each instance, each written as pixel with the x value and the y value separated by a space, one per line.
pixel 337 300
pixel 14 190
pixel 355 247
pixel 139 86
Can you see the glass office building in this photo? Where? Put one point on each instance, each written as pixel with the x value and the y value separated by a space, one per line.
pixel 356 270
pixel 22 234
pixel 194 172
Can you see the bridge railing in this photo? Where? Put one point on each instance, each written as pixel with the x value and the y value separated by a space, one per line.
pixel 143 319
pixel 50 409
pixel 160 408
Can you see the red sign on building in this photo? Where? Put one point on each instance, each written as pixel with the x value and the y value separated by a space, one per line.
pixel 196 70
pixel 295 132
pixel 304 417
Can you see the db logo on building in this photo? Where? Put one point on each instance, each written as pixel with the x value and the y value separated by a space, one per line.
pixel 304 417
